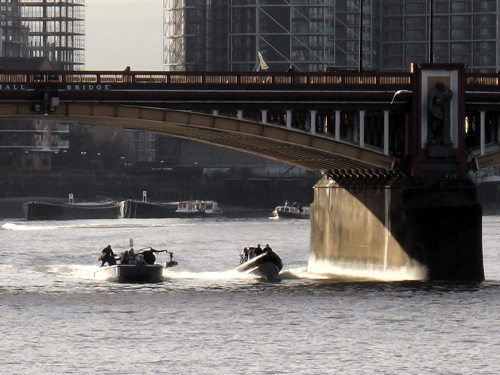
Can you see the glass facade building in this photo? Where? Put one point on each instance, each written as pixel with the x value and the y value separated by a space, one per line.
pixel 463 31
pixel 38 35
pixel 314 34
pixel 50 29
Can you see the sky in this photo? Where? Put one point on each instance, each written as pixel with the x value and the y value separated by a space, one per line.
pixel 122 33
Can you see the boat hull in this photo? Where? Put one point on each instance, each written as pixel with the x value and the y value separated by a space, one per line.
pixel 145 210
pixel 291 215
pixel 68 211
pixel 261 266
pixel 131 273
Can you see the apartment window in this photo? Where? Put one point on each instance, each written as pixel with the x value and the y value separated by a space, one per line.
pixel 460 6
pixel 393 35
pixel 441 52
pixel 484 5
pixel 460 34
pixel 416 7
pixel 393 7
pixel 460 49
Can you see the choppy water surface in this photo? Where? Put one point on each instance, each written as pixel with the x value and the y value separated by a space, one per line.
pixel 57 318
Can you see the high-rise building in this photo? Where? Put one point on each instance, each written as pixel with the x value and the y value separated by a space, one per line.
pixel 50 29
pixel 13 34
pixel 38 35
pixel 463 31
pixel 314 34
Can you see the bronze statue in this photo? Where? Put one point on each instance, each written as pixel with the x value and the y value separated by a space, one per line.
pixel 439 115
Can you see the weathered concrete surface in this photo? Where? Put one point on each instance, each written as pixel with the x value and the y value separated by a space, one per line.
pixel 399 223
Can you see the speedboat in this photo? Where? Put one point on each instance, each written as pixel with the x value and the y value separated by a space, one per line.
pixel 132 273
pixel 266 265
pixel 136 268
pixel 294 211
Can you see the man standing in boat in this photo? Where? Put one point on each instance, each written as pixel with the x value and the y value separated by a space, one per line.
pixel 258 250
pixel 108 256
pixel 273 257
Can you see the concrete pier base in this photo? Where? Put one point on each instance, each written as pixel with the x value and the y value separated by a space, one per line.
pixel 393 222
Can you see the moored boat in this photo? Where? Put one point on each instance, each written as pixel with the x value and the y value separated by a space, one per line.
pixel 212 208
pixel 141 209
pixel 266 265
pixel 38 210
pixel 190 209
pixel 294 211
pixel 198 208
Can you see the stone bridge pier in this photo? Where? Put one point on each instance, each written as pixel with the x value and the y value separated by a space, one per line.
pixel 422 221
pixel 397 226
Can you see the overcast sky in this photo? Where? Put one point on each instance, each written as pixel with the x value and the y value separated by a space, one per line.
pixel 124 32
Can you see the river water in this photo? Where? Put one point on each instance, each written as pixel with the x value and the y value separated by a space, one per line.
pixel 205 318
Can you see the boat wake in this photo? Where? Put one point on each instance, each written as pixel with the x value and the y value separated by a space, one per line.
pixel 90 273
pixel 74 271
pixel 207 275
pixel 322 273
pixel 24 227
pixel 88 225
pixel 366 272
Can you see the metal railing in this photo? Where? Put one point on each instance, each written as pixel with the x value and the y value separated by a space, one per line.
pixel 340 78
pixel 367 80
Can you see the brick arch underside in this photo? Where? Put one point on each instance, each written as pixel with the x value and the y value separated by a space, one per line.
pixel 289 146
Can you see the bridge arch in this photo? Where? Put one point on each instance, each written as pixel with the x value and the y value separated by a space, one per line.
pixel 290 146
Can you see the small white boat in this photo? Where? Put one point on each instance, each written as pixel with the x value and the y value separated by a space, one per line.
pixel 212 208
pixel 190 209
pixel 196 208
pixel 294 211
pixel 266 265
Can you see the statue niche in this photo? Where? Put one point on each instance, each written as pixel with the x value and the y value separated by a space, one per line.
pixel 438 101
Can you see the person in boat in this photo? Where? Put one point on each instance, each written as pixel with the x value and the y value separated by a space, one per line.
pixel 149 257
pixel 273 257
pixel 244 255
pixel 258 250
pixel 125 257
pixel 251 252
pixel 108 256
pixel 131 256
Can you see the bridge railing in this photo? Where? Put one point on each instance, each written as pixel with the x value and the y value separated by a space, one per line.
pixel 337 78
pixel 483 81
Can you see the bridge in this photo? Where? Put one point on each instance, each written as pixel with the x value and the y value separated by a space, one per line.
pixel 335 120
pixel 361 128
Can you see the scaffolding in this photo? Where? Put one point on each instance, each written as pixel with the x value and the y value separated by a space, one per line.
pixel 310 35
pixel 51 29
pixel 195 34
pixel 13 34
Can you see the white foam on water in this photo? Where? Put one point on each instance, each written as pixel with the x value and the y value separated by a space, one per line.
pixel 25 227
pixel 224 275
pixel 368 271
pixel 75 271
